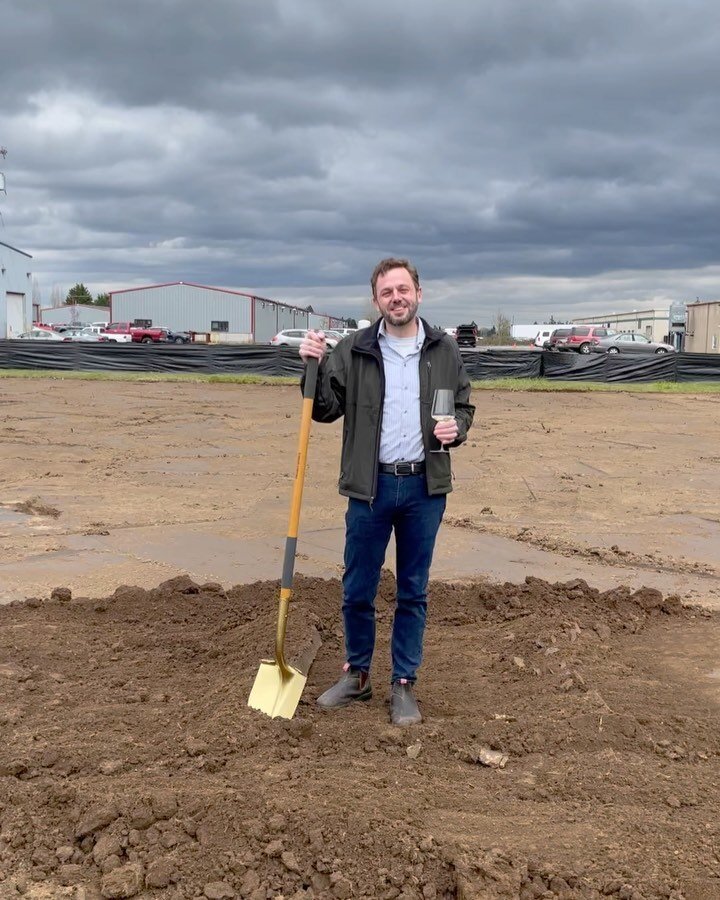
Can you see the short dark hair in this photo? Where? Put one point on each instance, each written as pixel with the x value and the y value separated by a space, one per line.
pixel 385 265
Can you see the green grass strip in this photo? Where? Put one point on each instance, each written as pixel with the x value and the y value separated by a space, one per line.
pixel 545 385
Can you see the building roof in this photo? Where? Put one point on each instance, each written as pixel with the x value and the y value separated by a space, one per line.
pixel 15 249
pixel 71 305
pixel 205 287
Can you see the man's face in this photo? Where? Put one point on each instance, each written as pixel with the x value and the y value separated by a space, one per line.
pixel 396 297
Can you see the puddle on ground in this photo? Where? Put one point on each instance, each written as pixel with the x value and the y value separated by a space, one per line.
pixel 11 517
pixel 696 538
pixel 29 516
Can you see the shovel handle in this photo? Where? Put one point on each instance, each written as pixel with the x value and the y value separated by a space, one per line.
pixel 308 398
pixel 311 373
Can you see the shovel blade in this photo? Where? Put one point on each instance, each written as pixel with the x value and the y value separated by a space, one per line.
pixel 274 694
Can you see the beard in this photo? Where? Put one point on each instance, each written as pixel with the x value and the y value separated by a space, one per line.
pixel 401 315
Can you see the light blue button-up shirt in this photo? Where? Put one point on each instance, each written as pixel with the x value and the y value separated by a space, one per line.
pixel 401 434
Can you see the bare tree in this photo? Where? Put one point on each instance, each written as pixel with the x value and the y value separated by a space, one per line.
pixel 503 328
pixel 501 331
pixel 57 297
pixel 370 311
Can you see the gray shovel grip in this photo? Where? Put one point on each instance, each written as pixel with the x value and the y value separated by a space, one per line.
pixel 311 373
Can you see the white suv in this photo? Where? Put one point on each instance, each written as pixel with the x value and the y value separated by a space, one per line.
pixel 293 337
pixel 545 334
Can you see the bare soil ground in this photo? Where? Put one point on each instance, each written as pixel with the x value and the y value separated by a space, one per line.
pixel 571 733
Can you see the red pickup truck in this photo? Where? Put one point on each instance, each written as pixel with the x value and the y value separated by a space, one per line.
pixel 127 332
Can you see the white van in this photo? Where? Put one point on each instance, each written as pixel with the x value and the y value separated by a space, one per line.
pixel 545 332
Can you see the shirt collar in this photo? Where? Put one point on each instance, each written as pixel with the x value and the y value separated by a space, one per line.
pixel 419 337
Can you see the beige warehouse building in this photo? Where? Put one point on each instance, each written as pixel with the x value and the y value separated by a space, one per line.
pixel 702 327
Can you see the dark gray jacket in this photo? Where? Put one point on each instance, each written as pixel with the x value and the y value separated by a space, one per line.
pixel 351 382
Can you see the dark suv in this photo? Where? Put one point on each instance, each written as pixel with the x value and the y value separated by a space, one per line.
pixel 466 335
pixel 558 335
pixel 582 337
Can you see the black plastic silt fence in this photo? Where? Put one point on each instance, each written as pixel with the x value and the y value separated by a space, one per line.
pixel 605 367
pixel 208 359
pixel 265 360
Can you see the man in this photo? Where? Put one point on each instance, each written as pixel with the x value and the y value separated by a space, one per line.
pixel 383 379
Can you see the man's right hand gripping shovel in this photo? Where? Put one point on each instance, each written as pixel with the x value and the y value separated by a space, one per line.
pixel 314 346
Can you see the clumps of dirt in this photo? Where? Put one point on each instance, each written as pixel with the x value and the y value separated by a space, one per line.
pixel 563 753
pixel 36 507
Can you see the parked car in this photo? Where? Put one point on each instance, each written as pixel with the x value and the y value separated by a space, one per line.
pixel 293 337
pixel 631 342
pixel 559 334
pixel 41 334
pixel 67 330
pixel 126 331
pixel 176 337
pixel 544 335
pixel 466 335
pixel 91 333
pixel 582 337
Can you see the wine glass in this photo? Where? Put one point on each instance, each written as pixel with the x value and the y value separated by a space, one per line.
pixel 443 410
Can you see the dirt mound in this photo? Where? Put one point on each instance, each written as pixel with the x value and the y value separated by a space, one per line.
pixel 569 749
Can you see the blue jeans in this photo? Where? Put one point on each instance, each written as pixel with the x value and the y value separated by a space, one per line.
pixel 402 503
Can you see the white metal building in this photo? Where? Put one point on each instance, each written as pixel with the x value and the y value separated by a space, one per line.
pixel 74 314
pixel 16 306
pixel 221 314
pixel 653 323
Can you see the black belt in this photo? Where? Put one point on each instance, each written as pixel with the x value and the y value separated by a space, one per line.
pixel 403 468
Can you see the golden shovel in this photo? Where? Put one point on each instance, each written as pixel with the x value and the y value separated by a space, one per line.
pixel 278 686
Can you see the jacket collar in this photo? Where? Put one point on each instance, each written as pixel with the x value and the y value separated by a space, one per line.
pixel 367 339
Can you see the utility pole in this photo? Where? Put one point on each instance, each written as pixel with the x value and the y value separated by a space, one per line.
pixel 3 153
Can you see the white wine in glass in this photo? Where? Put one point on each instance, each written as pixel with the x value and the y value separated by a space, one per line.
pixel 443 410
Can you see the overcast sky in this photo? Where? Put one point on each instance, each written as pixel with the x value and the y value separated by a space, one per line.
pixel 535 157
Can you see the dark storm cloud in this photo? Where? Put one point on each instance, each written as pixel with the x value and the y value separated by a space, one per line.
pixel 291 144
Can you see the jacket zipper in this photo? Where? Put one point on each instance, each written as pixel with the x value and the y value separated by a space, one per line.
pixel 424 425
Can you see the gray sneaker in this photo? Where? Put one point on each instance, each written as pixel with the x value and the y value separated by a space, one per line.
pixel 354 685
pixel 404 710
